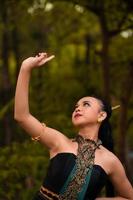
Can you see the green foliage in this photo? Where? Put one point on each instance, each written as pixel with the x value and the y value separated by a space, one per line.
pixel 5 108
pixel 72 31
pixel 22 169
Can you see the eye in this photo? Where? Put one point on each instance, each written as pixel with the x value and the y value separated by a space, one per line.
pixel 86 104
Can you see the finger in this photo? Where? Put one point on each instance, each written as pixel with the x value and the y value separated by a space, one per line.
pixel 43 54
pixel 38 55
pixel 49 58
pixel 43 61
pixel 39 58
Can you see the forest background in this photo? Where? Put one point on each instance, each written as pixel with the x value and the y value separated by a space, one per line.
pixel 92 41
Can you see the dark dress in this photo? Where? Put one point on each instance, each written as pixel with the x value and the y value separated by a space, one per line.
pixel 59 168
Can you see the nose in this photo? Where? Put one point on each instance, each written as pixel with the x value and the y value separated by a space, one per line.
pixel 78 109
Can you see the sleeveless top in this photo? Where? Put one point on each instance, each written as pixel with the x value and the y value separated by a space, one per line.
pixel 59 169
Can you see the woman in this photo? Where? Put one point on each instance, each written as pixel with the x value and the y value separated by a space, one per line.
pixel 79 167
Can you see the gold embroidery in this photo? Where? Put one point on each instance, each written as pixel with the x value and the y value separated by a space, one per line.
pixel 48 194
pixel 84 162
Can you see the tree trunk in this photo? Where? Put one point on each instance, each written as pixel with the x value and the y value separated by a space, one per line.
pixel 87 53
pixel 123 122
pixel 6 83
pixel 14 9
pixel 122 132
pixel 16 50
pixel 105 65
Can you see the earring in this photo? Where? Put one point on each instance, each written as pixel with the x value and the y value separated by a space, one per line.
pixel 99 120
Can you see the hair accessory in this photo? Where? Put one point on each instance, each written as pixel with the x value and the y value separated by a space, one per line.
pixel 37 138
pixel 115 107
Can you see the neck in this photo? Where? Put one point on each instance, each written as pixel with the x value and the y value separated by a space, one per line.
pixel 89 132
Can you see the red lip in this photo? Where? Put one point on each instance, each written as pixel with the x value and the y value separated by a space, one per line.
pixel 77 115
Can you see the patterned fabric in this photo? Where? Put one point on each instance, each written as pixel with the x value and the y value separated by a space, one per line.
pixel 84 163
pixel 47 194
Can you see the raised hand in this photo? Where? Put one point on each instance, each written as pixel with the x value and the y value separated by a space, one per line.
pixel 36 61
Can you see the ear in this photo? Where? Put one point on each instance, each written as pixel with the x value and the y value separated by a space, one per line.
pixel 101 116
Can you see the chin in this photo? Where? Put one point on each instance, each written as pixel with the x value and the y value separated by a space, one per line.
pixel 78 125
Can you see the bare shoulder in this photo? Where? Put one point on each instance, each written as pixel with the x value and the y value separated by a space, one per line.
pixel 110 159
pixel 110 156
pixel 116 173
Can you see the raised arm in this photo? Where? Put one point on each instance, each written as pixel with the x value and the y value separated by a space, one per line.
pixel 51 138
pixel 120 182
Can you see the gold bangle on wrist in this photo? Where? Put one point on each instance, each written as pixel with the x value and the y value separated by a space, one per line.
pixel 37 138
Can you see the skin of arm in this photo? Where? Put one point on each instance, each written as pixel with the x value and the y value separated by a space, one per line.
pixel 119 181
pixel 51 138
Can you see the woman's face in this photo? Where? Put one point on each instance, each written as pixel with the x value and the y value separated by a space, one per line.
pixel 87 111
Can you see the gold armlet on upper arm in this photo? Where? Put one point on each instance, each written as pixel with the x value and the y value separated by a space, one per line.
pixel 37 138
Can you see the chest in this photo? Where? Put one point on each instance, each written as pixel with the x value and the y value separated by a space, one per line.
pixel 60 168
pixel 100 156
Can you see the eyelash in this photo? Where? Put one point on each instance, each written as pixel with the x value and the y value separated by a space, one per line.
pixel 86 103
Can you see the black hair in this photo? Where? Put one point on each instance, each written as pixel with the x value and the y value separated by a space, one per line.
pixel 105 130
pixel 105 135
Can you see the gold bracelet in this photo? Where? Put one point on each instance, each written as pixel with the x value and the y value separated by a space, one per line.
pixel 37 138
